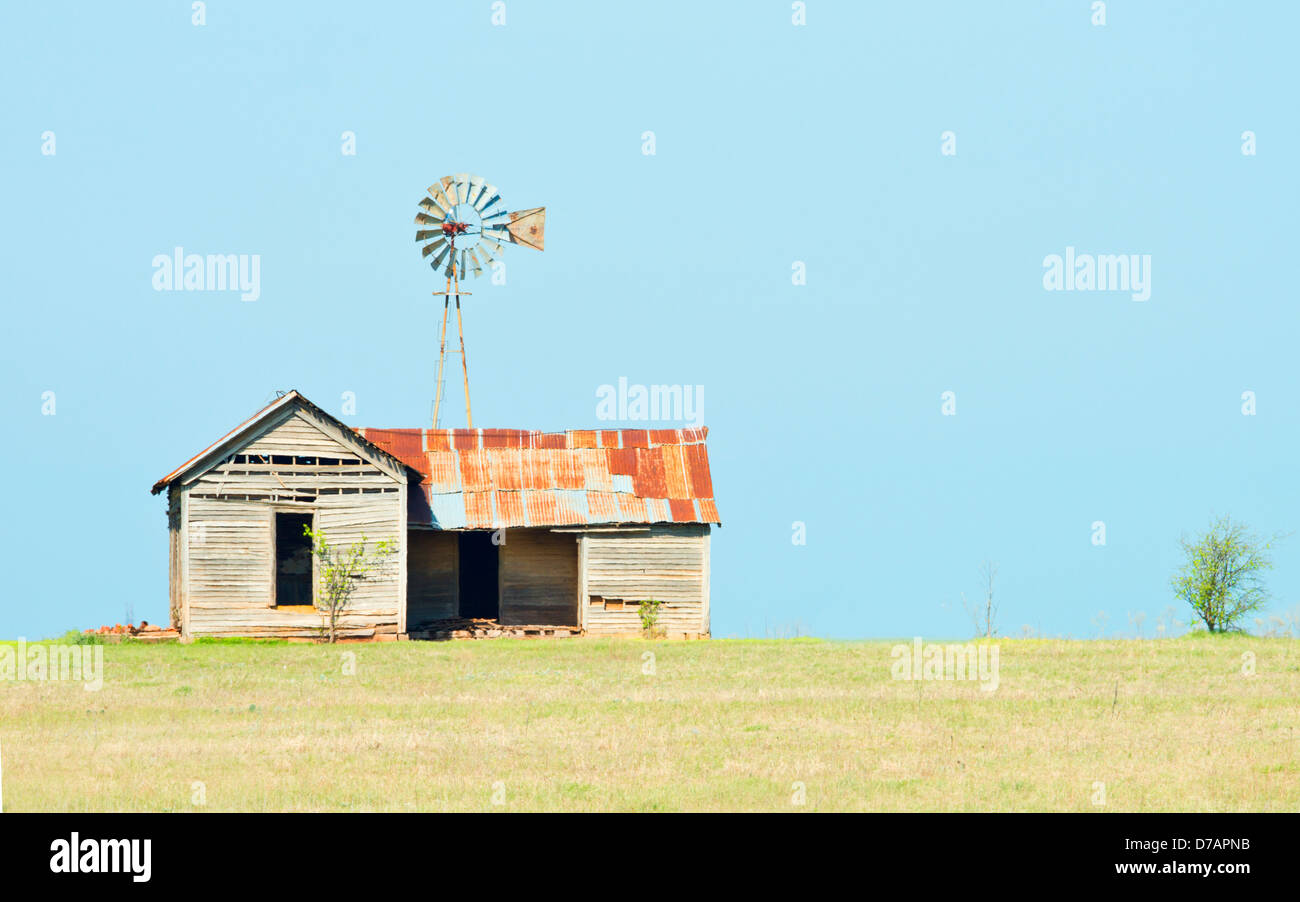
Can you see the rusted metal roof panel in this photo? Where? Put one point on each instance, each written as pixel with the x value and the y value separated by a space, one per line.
pixel 584 438
pixel 537 469
pixel 505 468
pixel 595 469
pixel 649 477
pixel 566 470
pixel 404 444
pixel 602 507
pixel 632 509
pixel 442 472
pixel 636 438
pixel 496 478
pixel 622 461
pixel 509 509
pixel 708 511
pixel 541 508
pixel 674 472
pixel 478 510
pixel 463 439
pixel 502 438
pixel 696 458
pixel 473 471
pixel 571 507
pixel 683 510
pixel 657 510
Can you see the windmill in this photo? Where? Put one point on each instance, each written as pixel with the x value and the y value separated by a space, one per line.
pixel 463 226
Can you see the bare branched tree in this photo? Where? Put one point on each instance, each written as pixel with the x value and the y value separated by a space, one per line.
pixel 984 616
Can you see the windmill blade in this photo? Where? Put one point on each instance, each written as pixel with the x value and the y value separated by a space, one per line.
pixel 449 189
pixel 433 209
pixel 478 268
pixel 475 189
pixel 495 216
pixel 528 227
pixel 426 234
pixel 460 267
pixel 435 191
pixel 432 246
pixel 451 263
pixel 426 219
pixel 483 251
pixel 487 244
pixel 442 254
pixel 487 198
pixel 496 236
pixel 462 186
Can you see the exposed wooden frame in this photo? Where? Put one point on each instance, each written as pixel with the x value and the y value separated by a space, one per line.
pixel 501 572
pixel 185 564
pixel 273 415
pixel 706 628
pixel 582 582
pixel 403 536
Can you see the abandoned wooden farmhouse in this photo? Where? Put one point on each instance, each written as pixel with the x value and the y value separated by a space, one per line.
pixel 498 531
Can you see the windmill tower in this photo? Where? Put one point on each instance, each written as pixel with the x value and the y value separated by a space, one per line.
pixel 464 225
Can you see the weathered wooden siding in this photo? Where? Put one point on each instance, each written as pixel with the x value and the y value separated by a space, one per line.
pixel 229 532
pixel 665 563
pixel 174 560
pixel 539 578
pixel 433 577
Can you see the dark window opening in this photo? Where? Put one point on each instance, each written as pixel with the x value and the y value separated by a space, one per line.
pixel 478 575
pixel 292 560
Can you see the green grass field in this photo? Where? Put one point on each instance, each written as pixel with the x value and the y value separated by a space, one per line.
pixel 724 725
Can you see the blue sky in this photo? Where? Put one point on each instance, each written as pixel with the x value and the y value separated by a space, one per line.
pixel 774 143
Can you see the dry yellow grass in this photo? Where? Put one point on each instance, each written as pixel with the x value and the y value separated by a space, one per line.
pixel 576 725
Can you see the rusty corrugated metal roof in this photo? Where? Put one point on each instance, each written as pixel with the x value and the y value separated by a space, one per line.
pixel 496 478
pixel 499 478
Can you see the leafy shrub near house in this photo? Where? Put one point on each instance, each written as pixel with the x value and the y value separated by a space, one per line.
pixel 648 611
pixel 341 568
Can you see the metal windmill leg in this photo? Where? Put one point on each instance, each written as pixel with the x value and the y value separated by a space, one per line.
pixel 469 417
pixel 442 351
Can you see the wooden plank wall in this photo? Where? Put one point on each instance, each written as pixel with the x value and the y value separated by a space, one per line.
pixel 230 540
pixel 174 560
pixel 666 563
pixel 433 577
pixel 539 578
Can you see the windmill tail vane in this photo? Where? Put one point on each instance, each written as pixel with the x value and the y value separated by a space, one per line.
pixel 463 224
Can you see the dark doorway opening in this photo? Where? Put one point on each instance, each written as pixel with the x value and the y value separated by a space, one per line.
pixel 478 576
pixel 292 560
